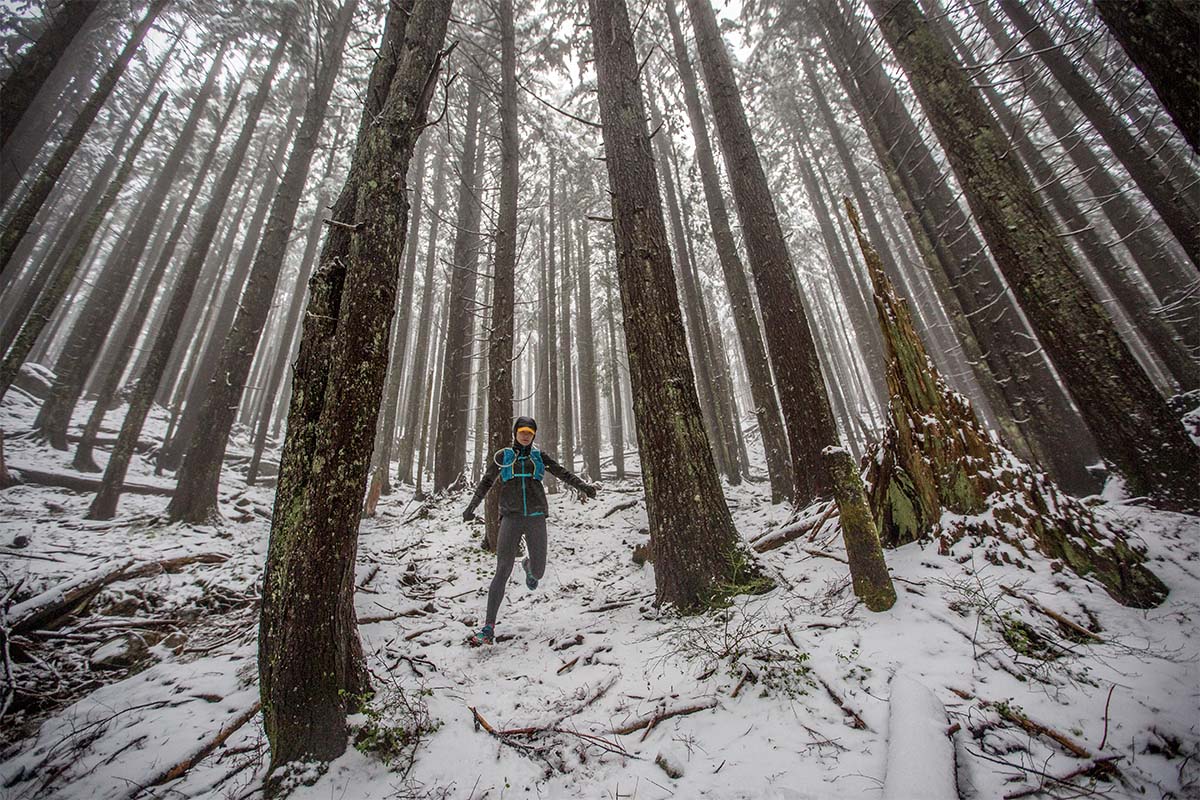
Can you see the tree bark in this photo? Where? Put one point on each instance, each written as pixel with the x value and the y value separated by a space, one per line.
pixel 310 659
pixel 589 411
pixel 1155 35
pixel 500 335
pixel 804 401
pixel 868 570
pixel 18 224
pixel 697 553
pixel 617 432
pixel 566 428
pixel 1136 430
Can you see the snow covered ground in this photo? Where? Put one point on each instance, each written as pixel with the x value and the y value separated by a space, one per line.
pixel 793 686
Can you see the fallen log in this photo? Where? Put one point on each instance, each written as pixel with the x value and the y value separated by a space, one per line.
pixel 173 565
pixel 1054 615
pixel 78 483
pixel 47 608
pixel 778 538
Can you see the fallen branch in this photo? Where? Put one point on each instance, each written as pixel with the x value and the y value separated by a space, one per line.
pixel 1054 615
pixel 179 769
pixel 823 554
pixel 1036 728
pixel 507 736
pixel 857 721
pixel 649 722
pixel 52 605
pixel 78 483
pixel 619 507
pixel 1099 767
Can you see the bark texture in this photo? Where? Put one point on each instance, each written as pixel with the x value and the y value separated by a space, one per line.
pixel 310 657
pixel 868 570
pixel 1156 35
pixel 697 552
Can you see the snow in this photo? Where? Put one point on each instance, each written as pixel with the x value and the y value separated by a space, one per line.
pixel 920 758
pixel 587 652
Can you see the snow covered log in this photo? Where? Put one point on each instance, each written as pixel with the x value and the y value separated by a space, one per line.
pixel 920 755
pixel 42 609
pixel 78 483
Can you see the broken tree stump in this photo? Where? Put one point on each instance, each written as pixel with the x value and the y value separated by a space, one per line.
pixel 868 570
pixel 936 456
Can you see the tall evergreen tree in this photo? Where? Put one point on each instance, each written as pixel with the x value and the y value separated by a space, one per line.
pixel 1136 430
pixel 310 659
pixel 803 398
pixel 696 548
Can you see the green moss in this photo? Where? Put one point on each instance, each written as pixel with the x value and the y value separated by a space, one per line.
pixel 745 578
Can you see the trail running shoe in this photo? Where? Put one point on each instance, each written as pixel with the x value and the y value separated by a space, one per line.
pixel 485 636
pixel 530 581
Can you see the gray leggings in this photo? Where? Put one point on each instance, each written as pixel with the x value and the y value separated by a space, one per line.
pixel 512 528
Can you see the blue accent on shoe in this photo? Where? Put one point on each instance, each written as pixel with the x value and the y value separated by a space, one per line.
pixel 485 636
pixel 530 581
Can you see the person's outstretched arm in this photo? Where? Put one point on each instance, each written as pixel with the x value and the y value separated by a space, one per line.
pixel 485 483
pixel 569 478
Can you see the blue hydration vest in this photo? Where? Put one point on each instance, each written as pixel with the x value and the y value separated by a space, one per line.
pixel 507 460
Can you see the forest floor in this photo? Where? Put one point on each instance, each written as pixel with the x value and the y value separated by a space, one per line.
pixel 786 694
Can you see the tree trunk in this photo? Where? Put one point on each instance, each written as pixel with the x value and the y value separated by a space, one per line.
pixel 1156 35
pixel 449 458
pixel 1136 430
pixel 868 570
pixel 589 411
pixel 1145 173
pixel 18 224
pixel 104 505
pixel 34 67
pixel 744 314
pixel 386 435
pixel 206 362
pixel 936 460
pixel 804 401
pixel 698 557
pixel 199 475
pixel 70 233
pixel 700 357
pixel 96 318
pixel 49 300
pixel 500 334
pixel 1114 275
pixel 1173 281
pixel 617 434
pixel 311 666
pixel 566 428
pixel 549 428
pixel 1024 386
pixel 419 391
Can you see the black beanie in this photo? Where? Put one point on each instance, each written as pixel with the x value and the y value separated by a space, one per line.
pixel 524 422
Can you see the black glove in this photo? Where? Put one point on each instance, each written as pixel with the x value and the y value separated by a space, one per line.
pixel 590 491
pixel 469 515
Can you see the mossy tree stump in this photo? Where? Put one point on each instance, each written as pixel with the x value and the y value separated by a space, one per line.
pixel 868 570
pixel 936 457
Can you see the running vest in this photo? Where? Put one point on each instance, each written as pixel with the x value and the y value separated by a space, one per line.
pixel 506 459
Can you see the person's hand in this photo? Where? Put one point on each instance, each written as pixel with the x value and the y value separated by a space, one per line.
pixel 591 490
pixel 469 515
